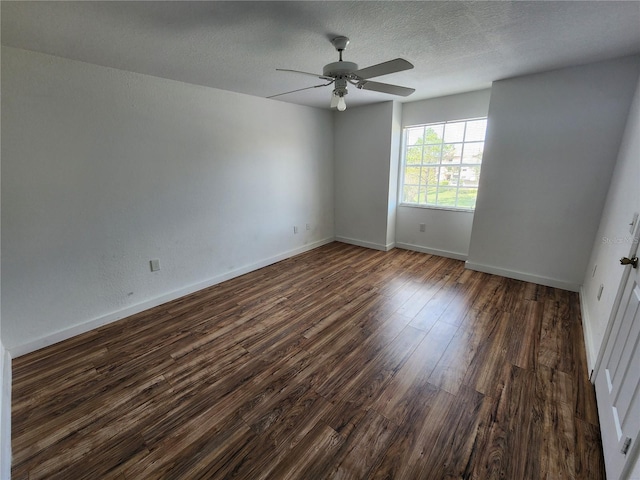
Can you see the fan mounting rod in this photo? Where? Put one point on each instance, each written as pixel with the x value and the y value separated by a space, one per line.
pixel 339 68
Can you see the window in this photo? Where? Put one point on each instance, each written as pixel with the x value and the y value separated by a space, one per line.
pixel 441 163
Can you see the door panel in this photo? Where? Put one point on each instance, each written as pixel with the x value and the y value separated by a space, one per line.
pixel 618 382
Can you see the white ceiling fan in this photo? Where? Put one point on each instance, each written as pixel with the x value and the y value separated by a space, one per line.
pixel 341 73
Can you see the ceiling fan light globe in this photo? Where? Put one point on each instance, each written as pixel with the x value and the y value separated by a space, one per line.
pixel 334 100
pixel 342 104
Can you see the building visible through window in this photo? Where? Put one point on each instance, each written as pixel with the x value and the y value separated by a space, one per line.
pixel 441 163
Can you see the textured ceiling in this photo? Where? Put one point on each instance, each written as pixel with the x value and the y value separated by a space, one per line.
pixel 455 46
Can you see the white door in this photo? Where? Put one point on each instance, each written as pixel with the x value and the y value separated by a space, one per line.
pixel 617 383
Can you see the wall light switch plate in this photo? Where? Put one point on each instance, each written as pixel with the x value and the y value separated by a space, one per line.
pixel 155 265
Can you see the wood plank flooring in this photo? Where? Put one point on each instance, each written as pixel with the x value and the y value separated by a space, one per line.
pixel 340 363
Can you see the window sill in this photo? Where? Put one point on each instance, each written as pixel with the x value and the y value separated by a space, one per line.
pixel 437 207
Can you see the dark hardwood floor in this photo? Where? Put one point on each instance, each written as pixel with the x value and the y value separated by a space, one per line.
pixel 342 362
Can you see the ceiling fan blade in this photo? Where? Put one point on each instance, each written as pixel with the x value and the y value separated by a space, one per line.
pixel 323 77
pixel 301 89
pixel 392 66
pixel 386 88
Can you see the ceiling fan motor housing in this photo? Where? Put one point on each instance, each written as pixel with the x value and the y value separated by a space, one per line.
pixel 337 69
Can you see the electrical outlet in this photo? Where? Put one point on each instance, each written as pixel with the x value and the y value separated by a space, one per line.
pixel 423 227
pixel 295 229
pixel 600 291
pixel 155 265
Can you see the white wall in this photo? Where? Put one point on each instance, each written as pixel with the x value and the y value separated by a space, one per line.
pixel 635 474
pixel 551 146
pixel 104 170
pixel 5 385
pixel 447 232
pixel 442 109
pixel 364 153
pixel 394 169
pixel 613 240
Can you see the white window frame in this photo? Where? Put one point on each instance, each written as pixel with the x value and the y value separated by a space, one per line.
pixel 403 165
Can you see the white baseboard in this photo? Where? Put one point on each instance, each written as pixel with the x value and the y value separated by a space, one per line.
pixel 592 355
pixel 5 414
pixel 432 251
pixel 362 243
pixel 91 324
pixel 549 282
